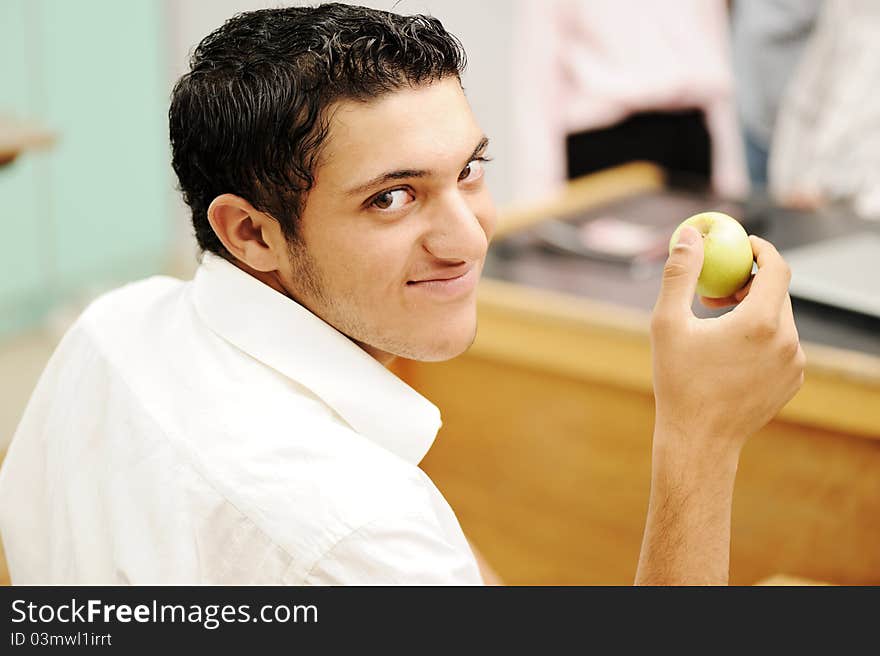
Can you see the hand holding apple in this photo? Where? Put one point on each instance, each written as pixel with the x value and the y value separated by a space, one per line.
pixel 719 380
pixel 727 253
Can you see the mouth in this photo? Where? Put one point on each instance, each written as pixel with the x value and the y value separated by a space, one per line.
pixel 448 284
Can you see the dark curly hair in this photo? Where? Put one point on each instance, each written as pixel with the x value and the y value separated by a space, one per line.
pixel 249 118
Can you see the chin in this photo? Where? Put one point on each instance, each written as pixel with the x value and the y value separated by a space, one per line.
pixel 450 347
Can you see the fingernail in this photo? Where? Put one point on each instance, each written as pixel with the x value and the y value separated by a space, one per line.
pixel 688 235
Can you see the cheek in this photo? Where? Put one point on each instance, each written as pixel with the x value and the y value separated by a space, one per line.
pixel 374 266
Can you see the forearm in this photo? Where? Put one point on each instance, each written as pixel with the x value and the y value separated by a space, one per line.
pixel 687 532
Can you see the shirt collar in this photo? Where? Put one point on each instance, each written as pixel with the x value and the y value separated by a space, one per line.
pixel 284 335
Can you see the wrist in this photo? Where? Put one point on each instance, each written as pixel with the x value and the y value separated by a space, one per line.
pixel 693 458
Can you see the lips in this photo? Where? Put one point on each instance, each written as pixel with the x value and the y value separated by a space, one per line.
pixel 447 274
pixel 450 284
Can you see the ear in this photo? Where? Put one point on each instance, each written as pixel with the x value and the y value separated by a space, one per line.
pixel 251 236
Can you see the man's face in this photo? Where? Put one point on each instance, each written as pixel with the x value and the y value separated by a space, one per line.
pixel 395 229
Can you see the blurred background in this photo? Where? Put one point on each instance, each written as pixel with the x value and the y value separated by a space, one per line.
pixel 610 122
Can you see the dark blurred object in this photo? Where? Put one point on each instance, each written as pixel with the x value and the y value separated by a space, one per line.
pixel 677 141
pixel 17 135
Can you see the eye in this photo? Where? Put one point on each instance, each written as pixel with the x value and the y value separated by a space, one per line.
pixel 393 199
pixel 473 171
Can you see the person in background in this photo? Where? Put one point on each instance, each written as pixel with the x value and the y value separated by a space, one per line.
pixel 767 40
pixel 583 67
pixel 826 147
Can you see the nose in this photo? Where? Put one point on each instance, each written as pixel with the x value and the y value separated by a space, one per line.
pixel 455 232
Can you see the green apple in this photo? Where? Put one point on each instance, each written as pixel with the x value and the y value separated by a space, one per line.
pixel 727 253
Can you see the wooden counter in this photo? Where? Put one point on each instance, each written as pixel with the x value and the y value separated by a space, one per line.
pixel 545 449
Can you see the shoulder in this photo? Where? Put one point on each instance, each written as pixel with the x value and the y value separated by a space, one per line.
pixel 133 302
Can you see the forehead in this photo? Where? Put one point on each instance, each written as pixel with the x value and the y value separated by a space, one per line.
pixel 426 127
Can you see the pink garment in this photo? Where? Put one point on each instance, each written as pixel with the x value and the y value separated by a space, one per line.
pixel 590 64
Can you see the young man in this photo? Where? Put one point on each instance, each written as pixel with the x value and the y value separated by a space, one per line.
pixel 242 427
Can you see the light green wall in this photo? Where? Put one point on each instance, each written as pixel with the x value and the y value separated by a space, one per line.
pixel 93 210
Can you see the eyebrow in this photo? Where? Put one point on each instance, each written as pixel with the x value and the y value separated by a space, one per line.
pixel 402 174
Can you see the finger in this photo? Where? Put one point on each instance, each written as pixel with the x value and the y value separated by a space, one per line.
pixel 680 275
pixel 727 301
pixel 786 317
pixel 769 286
pixel 791 339
pixel 743 291
pixel 718 303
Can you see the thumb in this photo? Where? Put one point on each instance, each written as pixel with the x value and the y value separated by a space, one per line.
pixel 681 272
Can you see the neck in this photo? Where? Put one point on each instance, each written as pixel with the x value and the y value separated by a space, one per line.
pixel 273 280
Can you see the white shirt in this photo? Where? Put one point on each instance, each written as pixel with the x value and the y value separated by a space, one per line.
pixel 215 431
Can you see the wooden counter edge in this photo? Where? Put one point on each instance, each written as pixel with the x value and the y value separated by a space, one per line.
pixel 600 341
pixel 589 191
